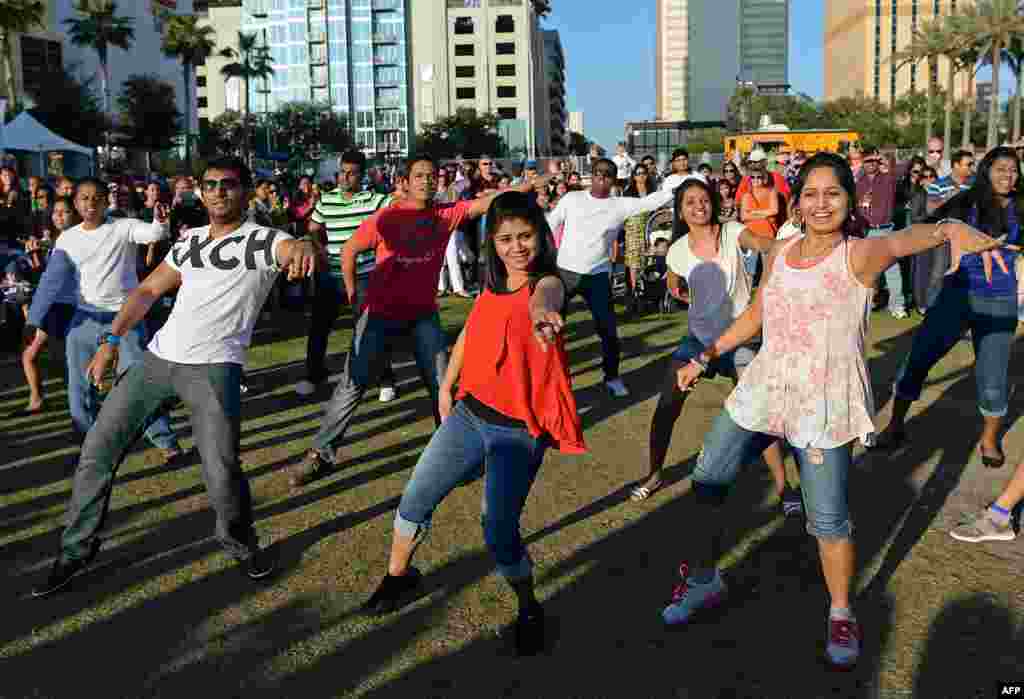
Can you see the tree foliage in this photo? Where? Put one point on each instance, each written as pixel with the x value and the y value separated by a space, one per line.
pixel 464 133
pixel 150 119
pixel 578 144
pixel 69 107
pixel 308 130
pixel 225 134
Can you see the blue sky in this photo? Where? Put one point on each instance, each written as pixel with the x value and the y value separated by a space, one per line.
pixel 609 54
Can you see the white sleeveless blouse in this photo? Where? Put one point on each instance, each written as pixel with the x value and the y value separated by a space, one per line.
pixel 809 383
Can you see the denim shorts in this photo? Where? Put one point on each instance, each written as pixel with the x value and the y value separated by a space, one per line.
pixel 729 364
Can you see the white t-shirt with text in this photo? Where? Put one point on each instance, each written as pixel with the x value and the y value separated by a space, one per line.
pixel 720 289
pixel 104 260
pixel 224 283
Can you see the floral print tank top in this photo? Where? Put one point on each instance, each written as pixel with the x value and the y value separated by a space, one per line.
pixel 809 383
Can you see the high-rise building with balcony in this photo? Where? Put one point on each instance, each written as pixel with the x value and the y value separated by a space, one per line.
pixel 861 37
pixel 485 55
pixel 350 54
pixel 554 72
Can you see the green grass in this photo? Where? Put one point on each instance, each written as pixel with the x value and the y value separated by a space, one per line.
pixel 165 613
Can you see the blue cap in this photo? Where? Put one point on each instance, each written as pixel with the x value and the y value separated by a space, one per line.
pixel 531 165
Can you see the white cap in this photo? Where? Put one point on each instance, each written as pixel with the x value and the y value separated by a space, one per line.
pixel 757 155
pixel 661 235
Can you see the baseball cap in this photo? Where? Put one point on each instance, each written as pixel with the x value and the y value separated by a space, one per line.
pixel 531 165
pixel 757 155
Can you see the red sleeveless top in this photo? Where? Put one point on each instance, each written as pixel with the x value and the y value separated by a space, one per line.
pixel 505 368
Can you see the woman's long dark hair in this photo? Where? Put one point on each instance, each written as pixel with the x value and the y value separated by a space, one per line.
pixel 854 224
pixel 905 187
pixel 524 207
pixel 983 195
pixel 679 226
pixel 631 188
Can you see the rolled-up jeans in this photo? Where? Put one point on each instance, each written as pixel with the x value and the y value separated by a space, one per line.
pixel 83 400
pixel 366 360
pixel 211 393
pixel 992 321
pixel 456 455
pixel 893 275
pixel 823 474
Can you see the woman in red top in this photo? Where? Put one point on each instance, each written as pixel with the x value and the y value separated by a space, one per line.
pixel 514 401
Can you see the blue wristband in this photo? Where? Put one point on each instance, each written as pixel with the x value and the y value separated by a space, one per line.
pixel 110 339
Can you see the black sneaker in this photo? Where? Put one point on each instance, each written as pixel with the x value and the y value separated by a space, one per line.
pixel 393 592
pixel 529 631
pixel 259 565
pixel 792 502
pixel 62 572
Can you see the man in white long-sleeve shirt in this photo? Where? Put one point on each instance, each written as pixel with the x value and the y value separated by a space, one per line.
pixel 103 255
pixel 592 221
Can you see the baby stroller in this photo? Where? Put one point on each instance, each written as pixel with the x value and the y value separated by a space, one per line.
pixel 651 284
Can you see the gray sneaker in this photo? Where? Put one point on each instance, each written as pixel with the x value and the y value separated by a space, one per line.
pixel 983 528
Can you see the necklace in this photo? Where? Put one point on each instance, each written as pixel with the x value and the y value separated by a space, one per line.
pixel 805 257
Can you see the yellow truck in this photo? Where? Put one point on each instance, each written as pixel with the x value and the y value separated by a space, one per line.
pixel 810 141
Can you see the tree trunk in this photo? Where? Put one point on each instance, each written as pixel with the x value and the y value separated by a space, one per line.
pixel 993 110
pixel 965 138
pixel 12 96
pixel 947 131
pixel 1017 106
pixel 149 161
pixel 186 68
pixel 245 122
pixel 105 85
pixel 929 117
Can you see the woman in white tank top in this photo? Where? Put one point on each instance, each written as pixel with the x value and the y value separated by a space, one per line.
pixel 808 385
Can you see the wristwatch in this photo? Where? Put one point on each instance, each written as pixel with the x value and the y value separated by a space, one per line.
pixel 108 338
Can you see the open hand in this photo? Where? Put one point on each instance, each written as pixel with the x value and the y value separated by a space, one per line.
pixel 965 240
pixel 687 376
pixel 305 260
pixel 546 328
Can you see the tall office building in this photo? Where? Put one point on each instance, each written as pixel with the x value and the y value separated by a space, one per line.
pixel 351 54
pixel 33 54
pixel 486 55
pixel 861 37
pixel 554 74
pixel 704 47
pixel 214 95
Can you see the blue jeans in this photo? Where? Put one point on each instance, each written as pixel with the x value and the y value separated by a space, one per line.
pixel 596 290
pixel 368 358
pixel 729 364
pixel 823 474
pixel 456 455
pixel 993 322
pixel 83 400
pixel 893 276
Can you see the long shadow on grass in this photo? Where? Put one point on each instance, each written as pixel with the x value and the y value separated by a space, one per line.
pixel 972 645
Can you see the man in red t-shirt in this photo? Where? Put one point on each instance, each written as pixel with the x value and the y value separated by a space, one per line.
pixel 409 239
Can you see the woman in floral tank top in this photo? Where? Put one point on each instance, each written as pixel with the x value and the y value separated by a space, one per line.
pixel 808 385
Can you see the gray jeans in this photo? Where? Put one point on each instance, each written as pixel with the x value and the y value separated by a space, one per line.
pixel 211 392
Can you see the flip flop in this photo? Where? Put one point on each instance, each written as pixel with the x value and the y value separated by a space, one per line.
pixel 992 461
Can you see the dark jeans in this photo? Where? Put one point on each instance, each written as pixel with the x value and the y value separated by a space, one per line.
pixel 456 455
pixel 369 354
pixel 992 321
pixel 327 302
pixel 211 392
pixel 596 290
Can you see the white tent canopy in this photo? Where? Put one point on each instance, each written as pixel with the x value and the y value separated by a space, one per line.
pixel 25 133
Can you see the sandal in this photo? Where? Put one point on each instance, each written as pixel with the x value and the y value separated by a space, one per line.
pixel 992 461
pixel 890 440
pixel 642 492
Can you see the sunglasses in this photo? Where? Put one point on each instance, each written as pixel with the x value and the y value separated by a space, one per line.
pixel 915 172
pixel 934 151
pixel 228 183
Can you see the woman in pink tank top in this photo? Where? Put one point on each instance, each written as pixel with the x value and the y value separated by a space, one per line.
pixel 808 385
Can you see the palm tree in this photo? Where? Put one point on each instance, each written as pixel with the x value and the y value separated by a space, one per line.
pixel 994 23
pixel 18 17
pixel 928 42
pixel 99 28
pixel 192 44
pixel 967 60
pixel 1014 56
pixel 250 61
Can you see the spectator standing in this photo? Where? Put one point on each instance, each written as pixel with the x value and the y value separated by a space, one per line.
pixel 876 200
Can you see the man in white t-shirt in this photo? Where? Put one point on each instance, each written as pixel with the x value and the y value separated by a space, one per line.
pixel 592 221
pixel 222 273
pixel 624 165
pixel 103 254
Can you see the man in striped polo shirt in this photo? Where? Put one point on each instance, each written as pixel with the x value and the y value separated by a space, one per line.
pixel 335 219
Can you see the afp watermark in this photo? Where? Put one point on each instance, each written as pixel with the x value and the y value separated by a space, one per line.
pixel 1010 689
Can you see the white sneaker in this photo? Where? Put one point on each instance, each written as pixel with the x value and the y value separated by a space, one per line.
pixel 689 597
pixel 388 394
pixel 617 388
pixel 898 313
pixel 305 388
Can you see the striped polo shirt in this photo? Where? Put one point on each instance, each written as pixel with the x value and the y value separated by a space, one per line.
pixel 341 216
